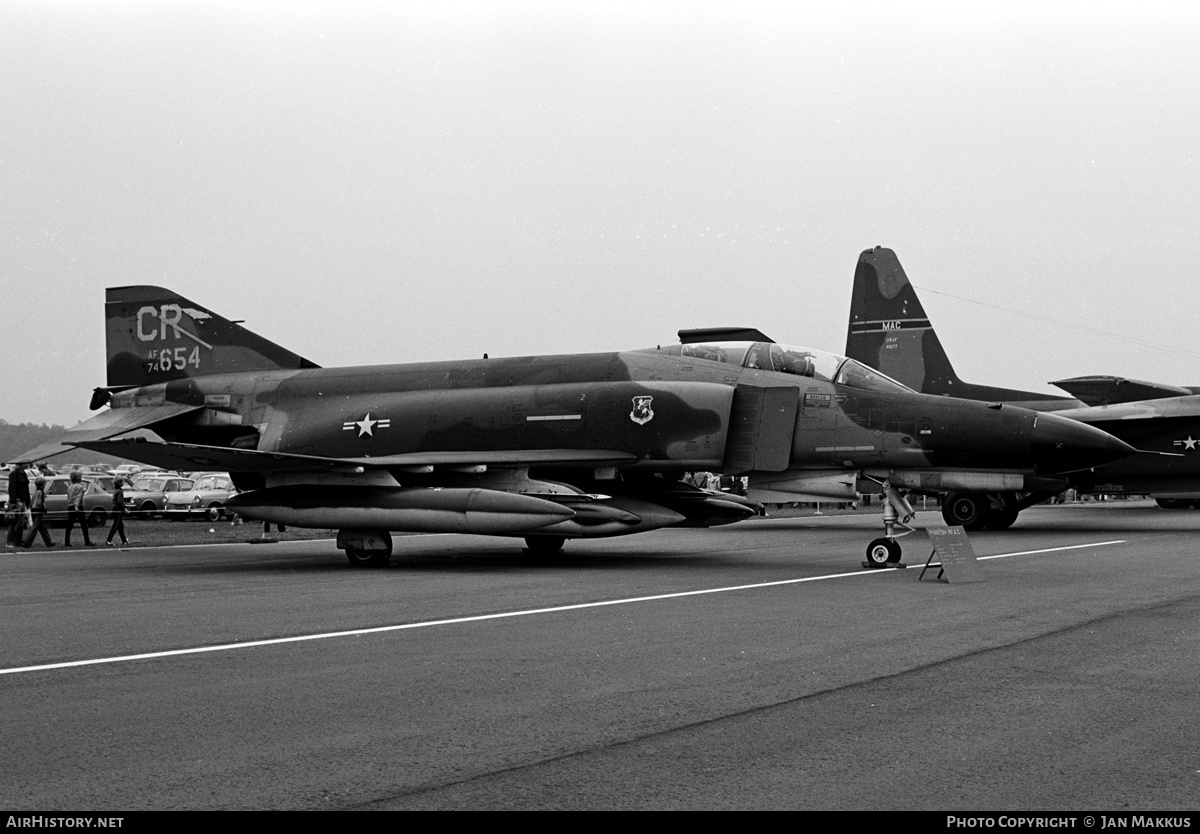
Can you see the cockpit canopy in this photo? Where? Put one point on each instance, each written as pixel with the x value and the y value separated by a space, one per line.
pixel 799 361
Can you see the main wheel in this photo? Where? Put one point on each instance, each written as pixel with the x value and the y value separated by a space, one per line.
pixel 883 552
pixel 360 558
pixel 1171 503
pixel 376 557
pixel 215 511
pixel 97 517
pixel 545 545
pixel 966 509
pixel 147 510
pixel 1002 519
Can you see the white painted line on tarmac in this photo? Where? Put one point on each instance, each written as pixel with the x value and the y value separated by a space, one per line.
pixel 359 632
pixel 1045 550
pixel 1050 550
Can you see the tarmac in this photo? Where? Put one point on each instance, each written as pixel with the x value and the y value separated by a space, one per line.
pixel 755 666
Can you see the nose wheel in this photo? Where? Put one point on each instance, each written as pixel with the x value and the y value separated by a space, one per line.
pixel 883 552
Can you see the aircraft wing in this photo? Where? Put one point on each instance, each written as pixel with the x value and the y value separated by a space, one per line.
pixel 107 424
pixel 1109 390
pixel 186 456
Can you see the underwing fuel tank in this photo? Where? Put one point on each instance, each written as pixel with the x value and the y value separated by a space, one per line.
pixel 701 508
pixel 615 515
pixel 421 510
pixel 682 506
pixel 783 487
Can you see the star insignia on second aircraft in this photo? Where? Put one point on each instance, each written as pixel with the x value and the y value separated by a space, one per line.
pixel 366 426
pixel 1187 444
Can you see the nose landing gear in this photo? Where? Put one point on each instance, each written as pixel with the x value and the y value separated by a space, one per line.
pixel 897 512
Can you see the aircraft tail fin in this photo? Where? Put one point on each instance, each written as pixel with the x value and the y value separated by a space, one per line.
pixel 155 335
pixel 889 330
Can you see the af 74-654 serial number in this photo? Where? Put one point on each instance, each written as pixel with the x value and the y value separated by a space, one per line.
pixel 177 359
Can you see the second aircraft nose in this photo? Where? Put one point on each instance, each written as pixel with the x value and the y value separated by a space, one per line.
pixel 1060 445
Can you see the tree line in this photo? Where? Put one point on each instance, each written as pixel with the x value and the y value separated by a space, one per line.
pixel 16 438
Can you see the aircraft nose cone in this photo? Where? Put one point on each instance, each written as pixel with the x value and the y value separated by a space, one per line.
pixel 1060 446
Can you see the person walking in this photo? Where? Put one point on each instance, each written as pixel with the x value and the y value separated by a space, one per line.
pixel 37 511
pixel 14 514
pixel 118 513
pixel 18 503
pixel 75 493
pixel 18 484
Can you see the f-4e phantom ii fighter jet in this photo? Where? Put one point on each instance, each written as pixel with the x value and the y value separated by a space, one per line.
pixel 542 447
pixel 890 331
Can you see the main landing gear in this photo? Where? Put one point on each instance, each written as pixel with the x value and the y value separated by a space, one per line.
pixel 991 510
pixel 544 545
pixel 366 548
pixel 897 512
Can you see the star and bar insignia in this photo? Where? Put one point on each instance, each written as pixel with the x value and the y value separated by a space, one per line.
pixel 366 426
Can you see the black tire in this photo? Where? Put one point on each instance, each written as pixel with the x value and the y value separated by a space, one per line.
pixel 1002 519
pixel 214 512
pixel 545 545
pixel 1171 503
pixel 360 558
pixel 97 517
pixel 966 509
pixel 147 510
pixel 883 552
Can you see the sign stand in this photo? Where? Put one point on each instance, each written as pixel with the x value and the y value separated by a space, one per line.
pixel 956 557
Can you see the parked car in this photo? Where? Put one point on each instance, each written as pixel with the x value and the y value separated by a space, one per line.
pixel 125 470
pixel 206 498
pixel 96 501
pixel 147 497
pixel 105 482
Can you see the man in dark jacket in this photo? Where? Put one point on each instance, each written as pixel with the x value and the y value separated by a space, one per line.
pixel 18 502
pixel 18 484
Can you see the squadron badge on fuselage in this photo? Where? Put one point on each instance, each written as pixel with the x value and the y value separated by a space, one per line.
pixel 642 412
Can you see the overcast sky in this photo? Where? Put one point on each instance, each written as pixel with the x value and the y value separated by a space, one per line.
pixel 370 183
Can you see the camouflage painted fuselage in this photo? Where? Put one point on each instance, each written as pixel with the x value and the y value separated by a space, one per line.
pixel 649 409
pixel 547 447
